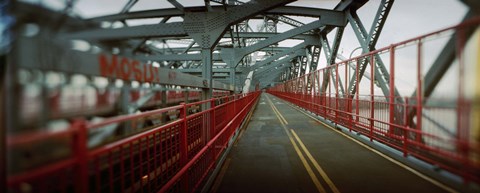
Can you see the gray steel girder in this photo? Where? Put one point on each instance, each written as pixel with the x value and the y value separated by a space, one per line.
pixel 175 57
pixel 241 52
pixel 279 62
pixel 382 76
pixel 443 62
pixel 177 5
pixel 290 33
pixel 277 56
pixel 331 60
pixel 303 64
pixel 174 29
pixel 206 28
pixel 173 12
pixel 268 35
pixel 102 64
pixel 270 77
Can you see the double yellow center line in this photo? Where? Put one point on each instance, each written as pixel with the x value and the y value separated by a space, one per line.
pixel 296 139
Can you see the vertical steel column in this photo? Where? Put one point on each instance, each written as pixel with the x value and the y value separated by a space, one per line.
pixel 207 71
pixel 232 78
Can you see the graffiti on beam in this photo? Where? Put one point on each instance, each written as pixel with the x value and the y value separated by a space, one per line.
pixel 127 69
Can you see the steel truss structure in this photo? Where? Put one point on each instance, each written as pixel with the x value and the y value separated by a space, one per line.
pixel 130 93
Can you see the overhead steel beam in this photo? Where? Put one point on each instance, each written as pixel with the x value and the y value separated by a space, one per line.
pixel 290 33
pixel 198 49
pixel 174 29
pixel 277 56
pixel 173 12
pixel 215 70
pixel 274 72
pixel 104 65
pixel 44 16
pixel 231 16
pixel 270 77
pixel 168 12
pixel 176 57
pixel 177 5
pixel 284 19
pixel 278 62
pixel 306 12
pixel 128 6
pixel 268 35
pixel 241 52
pixel 206 28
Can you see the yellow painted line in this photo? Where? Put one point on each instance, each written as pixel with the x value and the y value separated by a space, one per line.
pixel 435 182
pixel 275 110
pixel 310 172
pixel 315 164
pixel 307 167
pixel 280 116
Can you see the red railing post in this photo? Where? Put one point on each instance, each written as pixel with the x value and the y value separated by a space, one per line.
pixel 184 145
pixel 183 136
pixel 346 97
pixel 372 97
pixel 212 119
pixel 337 95
pixel 357 108
pixel 392 91
pixel 405 129
pixel 462 111
pixel 419 92
pixel 81 152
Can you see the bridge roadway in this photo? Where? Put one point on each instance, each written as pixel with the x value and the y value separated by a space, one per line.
pixel 284 150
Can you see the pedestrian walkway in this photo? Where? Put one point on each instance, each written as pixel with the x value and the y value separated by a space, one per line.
pixel 284 150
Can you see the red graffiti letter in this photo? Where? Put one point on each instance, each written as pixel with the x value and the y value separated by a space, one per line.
pixel 107 69
pixel 137 73
pixel 125 69
pixel 148 78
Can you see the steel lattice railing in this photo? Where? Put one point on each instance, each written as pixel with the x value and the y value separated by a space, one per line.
pixel 436 130
pixel 173 157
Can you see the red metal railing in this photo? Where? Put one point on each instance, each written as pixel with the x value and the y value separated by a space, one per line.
pixel 432 129
pixel 173 157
